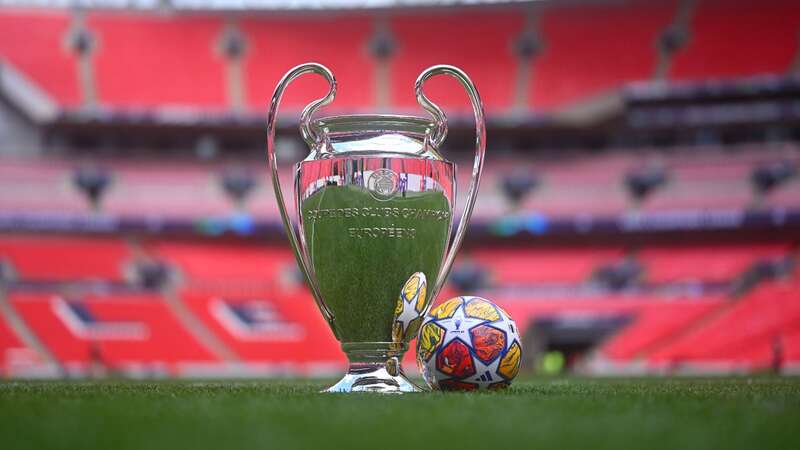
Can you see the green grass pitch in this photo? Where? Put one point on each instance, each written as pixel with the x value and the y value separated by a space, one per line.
pixel 731 413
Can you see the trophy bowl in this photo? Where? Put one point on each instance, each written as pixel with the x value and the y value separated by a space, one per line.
pixel 372 223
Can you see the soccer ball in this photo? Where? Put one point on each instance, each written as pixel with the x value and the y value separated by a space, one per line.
pixel 468 343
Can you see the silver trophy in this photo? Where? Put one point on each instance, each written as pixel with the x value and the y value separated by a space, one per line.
pixel 372 223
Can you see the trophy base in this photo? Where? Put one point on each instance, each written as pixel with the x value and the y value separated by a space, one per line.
pixel 373 378
pixel 374 367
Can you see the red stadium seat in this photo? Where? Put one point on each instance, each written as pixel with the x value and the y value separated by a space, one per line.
pixel 271 327
pixel 791 346
pixel 147 60
pixel 65 258
pixel 123 331
pixel 9 342
pixel 740 38
pixel 153 60
pixel 703 263
pixel 276 44
pixel 590 49
pixel 35 43
pixel 510 266
pixel 480 43
pixel 642 309
pixel 231 264
pixel 656 323
pixel 743 335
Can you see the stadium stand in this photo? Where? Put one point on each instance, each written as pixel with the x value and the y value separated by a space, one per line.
pixel 9 342
pixel 51 258
pixel 242 295
pixel 276 44
pixel 189 70
pixel 489 59
pixel 224 262
pixel 581 40
pixel 120 332
pixel 785 196
pixel 791 348
pixel 736 39
pixel 518 266
pixel 703 180
pixel 570 63
pixel 655 323
pixel 34 42
pixel 164 188
pixel 269 327
pixel 744 336
pixel 702 262
pixel 43 186
pixel 232 264
pixel 238 300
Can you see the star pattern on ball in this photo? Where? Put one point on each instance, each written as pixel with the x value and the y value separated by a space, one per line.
pixel 409 308
pixel 408 313
pixel 485 373
pixel 458 325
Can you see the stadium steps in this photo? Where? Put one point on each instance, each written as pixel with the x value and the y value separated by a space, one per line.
pixel 33 42
pixel 123 332
pixel 285 328
pixel 697 323
pixel 654 324
pixel 691 327
pixel 18 326
pixel 187 319
pixel 197 329
pixel 742 333
pixel 685 11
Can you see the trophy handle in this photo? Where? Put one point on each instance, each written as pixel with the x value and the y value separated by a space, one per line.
pixel 436 139
pixel 311 136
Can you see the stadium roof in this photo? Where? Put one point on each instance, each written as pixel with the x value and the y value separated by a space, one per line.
pixel 247 5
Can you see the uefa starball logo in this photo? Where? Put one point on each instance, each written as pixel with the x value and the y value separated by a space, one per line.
pixel 383 184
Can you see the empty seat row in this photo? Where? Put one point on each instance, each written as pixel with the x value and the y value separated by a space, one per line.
pixel 748 333
pixel 69 258
pixel 694 181
pixel 142 60
pixel 116 332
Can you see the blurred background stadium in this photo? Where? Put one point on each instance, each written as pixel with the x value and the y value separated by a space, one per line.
pixel 640 211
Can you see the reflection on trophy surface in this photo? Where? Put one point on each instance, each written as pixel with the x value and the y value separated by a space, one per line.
pixel 371 229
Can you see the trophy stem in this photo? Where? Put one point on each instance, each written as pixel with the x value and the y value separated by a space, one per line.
pixel 374 367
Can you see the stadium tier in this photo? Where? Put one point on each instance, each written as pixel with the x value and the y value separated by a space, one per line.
pixel 279 329
pixel 739 38
pixel 521 266
pixel 485 52
pixel 746 335
pixel 581 41
pixel 126 333
pixel 240 309
pixel 38 258
pixel 553 55
pixel 667 264
pixel 638 211
pixel 10 345
pixel 33 41
pixel 181 48
pixel 716 179
pixel 656 324
pixel 231 264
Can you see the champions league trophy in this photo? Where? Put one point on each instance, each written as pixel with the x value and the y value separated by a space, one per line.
pixel 372 222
